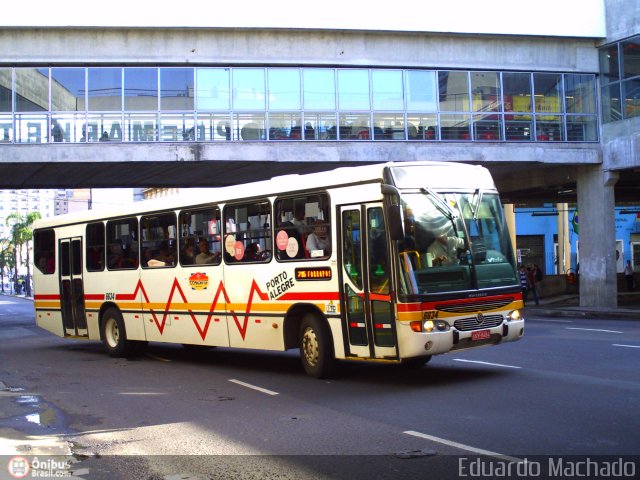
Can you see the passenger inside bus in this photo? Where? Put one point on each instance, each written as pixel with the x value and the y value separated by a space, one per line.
pixel 318 242
pixel 187 257
pixel 205 256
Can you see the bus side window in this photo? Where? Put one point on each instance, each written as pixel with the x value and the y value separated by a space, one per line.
pixel 44 247
pixel 159 240
pixel 200 240
pixel 122 244
pixel 95 247
pixel 303 227
pixel 247 233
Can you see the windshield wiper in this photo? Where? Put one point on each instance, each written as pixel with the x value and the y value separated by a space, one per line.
pixel 477 208
pixel 442 206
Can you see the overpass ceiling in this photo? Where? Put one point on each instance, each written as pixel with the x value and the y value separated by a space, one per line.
pixel 520 177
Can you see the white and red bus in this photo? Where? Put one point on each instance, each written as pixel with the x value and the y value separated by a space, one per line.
pixel 391 262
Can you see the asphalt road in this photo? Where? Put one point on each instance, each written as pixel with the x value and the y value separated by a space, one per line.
pixel 570 387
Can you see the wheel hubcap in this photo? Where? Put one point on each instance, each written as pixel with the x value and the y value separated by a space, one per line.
pixel 310 347
pixel 112 332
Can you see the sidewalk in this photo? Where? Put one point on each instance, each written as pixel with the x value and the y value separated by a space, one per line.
pixel 569 306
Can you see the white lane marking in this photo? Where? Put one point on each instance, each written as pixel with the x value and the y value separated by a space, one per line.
pixel 593 330
pixel 484 363
pixel 248 385
pixel 628 346
pixel 462 446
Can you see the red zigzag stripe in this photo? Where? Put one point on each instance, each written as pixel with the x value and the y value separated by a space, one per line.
pixel 242 328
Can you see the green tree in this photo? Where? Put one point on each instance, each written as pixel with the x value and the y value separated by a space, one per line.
pixel 21 235
pixel 6 259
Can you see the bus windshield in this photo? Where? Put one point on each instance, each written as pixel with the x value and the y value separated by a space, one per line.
pixel 454 242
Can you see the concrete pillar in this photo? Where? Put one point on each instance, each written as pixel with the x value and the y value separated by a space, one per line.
pixel 564 245
pixel 510 219
pixel 597 236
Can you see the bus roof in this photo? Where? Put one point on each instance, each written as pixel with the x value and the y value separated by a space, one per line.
pixel 465 176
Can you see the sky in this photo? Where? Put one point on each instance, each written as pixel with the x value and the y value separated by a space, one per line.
pixel 578 18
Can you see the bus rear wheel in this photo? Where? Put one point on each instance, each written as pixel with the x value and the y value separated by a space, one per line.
pixel 114 335
pixel 316 347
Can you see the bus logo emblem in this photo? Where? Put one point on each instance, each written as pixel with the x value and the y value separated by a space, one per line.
pixel 198 281
pixel 480 319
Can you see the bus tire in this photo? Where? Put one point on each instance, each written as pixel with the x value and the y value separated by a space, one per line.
pixel 316 347
pixel 114 334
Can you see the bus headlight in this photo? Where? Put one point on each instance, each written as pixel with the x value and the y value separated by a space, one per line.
pixel 440 325
pixel 514 315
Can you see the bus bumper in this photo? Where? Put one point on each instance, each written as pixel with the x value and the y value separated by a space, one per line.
pixel 439 342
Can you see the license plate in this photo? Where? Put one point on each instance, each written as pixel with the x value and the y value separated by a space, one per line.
pixel 480 335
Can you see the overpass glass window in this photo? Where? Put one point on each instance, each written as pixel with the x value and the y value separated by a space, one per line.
pixel 6 89
pixel 122 244
pixel 582 128
pixel 386 86
pixel 67 127
pixel 212 89
pixel 455 126
pixel 6 131
pixel 103 127
pixel 579 93
pixel 141 89
pixel 249 126
pixel 140 127
pixel 422 127
pixel 104 92
pixel 388 126
pixel 248 89
pixel 284 88
pixel 631 57
pixel 353 90
pixel 549 128
pixel 95 247
pixel 285 126
pixel 68 90
pixel 453 91
pixel 516 91
pixel 611 103
pixel 631 89
pixel 354 126
pixel 213 127
pixel 518 127
pixel 176 89
pixel 177 127
pixel 31 128
pixel 32 89
pixel 319 89
pixel 609 64
pixel 485 92
pixel 487 127
pixel 547 89
pixel 421 91
pixel 320 126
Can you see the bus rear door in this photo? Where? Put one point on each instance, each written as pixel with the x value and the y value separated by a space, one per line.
pixel 72 287
pixel 368 318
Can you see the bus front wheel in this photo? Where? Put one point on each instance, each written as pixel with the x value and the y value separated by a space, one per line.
pixel 114 335
pixel 316 347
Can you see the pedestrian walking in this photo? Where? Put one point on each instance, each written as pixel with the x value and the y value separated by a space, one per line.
pixel 628 276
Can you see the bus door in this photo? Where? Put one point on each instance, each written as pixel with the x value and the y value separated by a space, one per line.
pixel 368 318
pixel 72 287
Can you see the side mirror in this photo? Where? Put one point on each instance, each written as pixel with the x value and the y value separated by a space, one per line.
pixel 396 227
